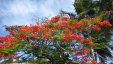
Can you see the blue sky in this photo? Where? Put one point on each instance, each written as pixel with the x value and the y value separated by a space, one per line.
pixel 24 12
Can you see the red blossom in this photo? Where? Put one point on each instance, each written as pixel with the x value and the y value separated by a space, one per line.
pixel 76 36
pixel 35 27
pixel 100 23
pixel 87 40
pixel 79 37
pixel 67 31
pixel 65 37
pixel 76 25
pixel 79 52
pixel 70 36
pixel 55 19
pixel 86 50
pixel 22 36
pixel 104 23
pixel 1 54
pixel 65 18
pixel 10 56
pixel 35 34
pixel 46 35
pixel 23 28
pixel 63 24
pixel 4 45
pixel 11 33
pixel 95 27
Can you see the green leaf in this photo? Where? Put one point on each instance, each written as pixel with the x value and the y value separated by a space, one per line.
pixel 52 24
pixel 57 37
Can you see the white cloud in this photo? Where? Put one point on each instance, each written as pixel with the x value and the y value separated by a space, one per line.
pixel 21 12
pixel 22 7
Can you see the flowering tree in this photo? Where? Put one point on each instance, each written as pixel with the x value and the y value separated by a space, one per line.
pixel 59 40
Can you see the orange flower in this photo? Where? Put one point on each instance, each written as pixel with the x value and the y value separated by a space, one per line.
pixel 35 34
pixel 46 35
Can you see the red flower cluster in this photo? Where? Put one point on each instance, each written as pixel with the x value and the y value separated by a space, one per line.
pixel 7 41
pixel 55 19
pixel 63 24
pixel 35 34
pixel 87 40
pixel 76 36
pixel 11 33
pixel 86 50
pixel 58 18
pixel 81 52
pixel 72 37
pixel 104 23
pixel 4 45
pixel 46 35
pixel 95 27
pixel 22 36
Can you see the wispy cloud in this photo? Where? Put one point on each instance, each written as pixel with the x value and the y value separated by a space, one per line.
pixel 21 12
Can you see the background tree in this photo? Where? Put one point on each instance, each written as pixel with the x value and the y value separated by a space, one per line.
pixel 93 8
